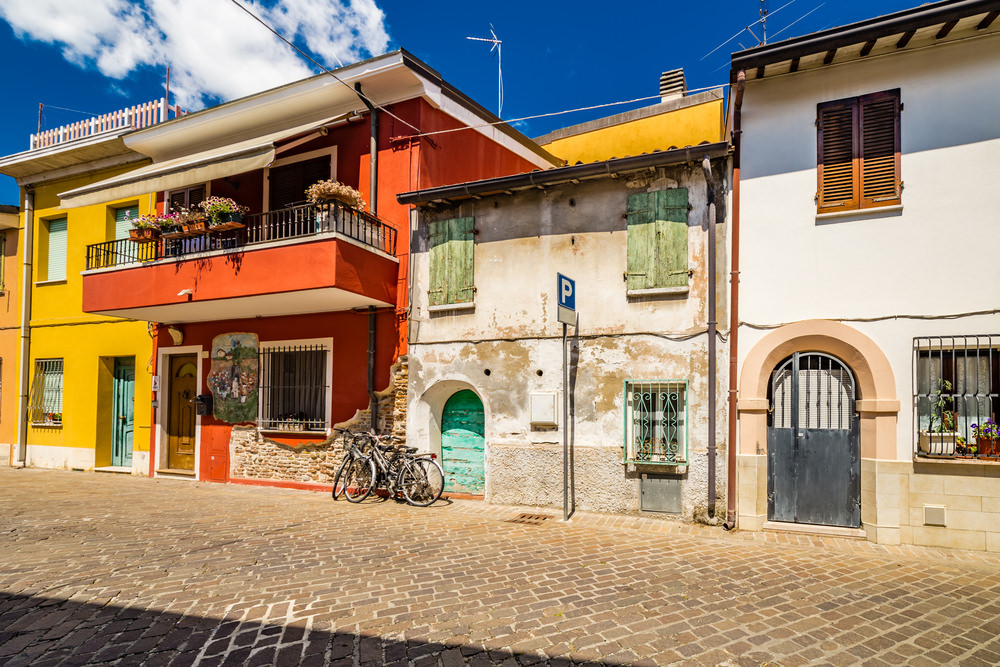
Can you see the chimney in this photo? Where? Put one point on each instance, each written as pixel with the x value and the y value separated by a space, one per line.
pixel 672 85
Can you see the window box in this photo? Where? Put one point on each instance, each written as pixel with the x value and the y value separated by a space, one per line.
pixel 937 444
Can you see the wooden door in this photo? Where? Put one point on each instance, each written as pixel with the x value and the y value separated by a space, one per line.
pixel 123 403
pixel 181 412
pixel 463 442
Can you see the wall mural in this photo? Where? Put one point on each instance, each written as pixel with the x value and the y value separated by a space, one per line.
pixel 233 378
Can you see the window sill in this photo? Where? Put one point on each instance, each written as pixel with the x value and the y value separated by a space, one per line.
pixel 43 283
pixel 860 213
pixel 956 460
pixel 658 291
pixel 47 424
pixel 444 307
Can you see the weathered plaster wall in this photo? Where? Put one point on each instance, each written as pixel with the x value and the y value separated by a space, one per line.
pixel 509 345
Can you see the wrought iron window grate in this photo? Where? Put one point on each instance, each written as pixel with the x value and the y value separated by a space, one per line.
pixel 956 385
pixel 293 388
pixel 656 419
pixel 45 405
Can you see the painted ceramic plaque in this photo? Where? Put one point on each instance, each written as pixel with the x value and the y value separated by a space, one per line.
pixel 233 378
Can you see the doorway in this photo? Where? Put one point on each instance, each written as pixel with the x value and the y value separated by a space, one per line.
pixel 463 443
pixel 180 432
pixel 813 443
pixel 122 411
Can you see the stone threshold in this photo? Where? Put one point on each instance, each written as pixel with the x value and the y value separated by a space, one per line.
pixel 125 470
pixel 175 472
pixel 813 529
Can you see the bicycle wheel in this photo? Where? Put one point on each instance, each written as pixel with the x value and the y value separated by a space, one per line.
pixel 360 475
pixel 338 486
pixel 421 481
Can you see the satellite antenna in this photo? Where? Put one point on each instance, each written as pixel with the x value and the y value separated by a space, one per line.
pixel 495 41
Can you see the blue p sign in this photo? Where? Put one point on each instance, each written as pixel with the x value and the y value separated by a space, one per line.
pixel 566 310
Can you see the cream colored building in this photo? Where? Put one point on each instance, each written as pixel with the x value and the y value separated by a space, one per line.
pixel 869 332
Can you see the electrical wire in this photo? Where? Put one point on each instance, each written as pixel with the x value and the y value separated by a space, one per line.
pixel 85 113
pixel 881 318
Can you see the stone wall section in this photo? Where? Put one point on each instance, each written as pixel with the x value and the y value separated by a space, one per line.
pixel 253 455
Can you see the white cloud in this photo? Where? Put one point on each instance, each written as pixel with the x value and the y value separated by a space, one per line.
pixel 214 49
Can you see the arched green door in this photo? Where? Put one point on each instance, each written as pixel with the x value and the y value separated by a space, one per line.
pixel 463 443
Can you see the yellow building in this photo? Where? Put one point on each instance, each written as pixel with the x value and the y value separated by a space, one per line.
pixel 73 403
pixel 679 120
pixel 10 319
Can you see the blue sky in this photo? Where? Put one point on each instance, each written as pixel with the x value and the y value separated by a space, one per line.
pixel 97 56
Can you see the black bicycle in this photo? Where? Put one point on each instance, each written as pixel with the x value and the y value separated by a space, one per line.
pixel 399 470
pixel 351 479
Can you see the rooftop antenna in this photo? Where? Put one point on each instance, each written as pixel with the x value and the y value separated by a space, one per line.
pixel 763 20
pixel 495 41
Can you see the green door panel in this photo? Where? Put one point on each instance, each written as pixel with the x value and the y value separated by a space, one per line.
pixel 123 413
pixel 463 443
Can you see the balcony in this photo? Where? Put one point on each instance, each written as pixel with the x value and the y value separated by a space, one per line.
pixel 302 259
pixel 132 118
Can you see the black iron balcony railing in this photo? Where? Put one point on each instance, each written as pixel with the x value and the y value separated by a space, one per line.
pixel 293 223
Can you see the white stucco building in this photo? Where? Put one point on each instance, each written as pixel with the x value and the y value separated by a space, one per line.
pixel 867 160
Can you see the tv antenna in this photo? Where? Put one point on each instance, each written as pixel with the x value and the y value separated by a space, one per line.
pixel 496 42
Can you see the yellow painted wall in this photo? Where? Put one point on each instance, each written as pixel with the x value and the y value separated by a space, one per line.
pixel 688 126
pixel 86 343
pixel 10 335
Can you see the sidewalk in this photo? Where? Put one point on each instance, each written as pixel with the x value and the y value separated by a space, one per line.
pixel 114 569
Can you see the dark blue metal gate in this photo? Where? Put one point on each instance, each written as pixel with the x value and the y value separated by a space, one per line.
pixel 813 446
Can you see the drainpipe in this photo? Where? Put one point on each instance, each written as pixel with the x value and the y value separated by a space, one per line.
pixel 734 309
pixel 373 160
pixel 371 366
pixel 24 383
pixel 706 166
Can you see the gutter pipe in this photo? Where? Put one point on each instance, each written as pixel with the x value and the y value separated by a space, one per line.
pixel 734 310
pixel 25 379
pixel 706 166
pixel 373 159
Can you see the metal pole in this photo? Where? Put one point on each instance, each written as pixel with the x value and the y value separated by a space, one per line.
pixel 565 428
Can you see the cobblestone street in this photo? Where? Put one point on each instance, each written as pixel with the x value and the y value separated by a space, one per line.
pixel 112 569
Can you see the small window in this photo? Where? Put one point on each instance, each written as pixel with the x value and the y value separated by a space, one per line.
pixel 657 242
pixel 452 262
pixel 858 153
pixel 656 422
pixel 956 391
pixel 123 221
pixel 287 184
pixel 55 260
pixel 45 406
pixel 185 198
pixel 294 383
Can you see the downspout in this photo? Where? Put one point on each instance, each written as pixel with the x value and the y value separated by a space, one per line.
pixel 371 367
pixel 734 309
pixel 706 166
pixel 24 383
pixel 373 160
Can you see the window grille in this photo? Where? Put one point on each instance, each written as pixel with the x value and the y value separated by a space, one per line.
pixel 293 388
pixel 656 422
pixel 45 406
pixel 825 393
pixel 956 384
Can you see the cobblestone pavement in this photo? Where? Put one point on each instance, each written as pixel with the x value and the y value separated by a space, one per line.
pixel 113 569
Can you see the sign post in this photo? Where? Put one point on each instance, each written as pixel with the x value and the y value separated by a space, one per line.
pixel 566 313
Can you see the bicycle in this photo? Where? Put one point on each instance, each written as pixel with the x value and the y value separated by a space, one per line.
pixel 418 478
pixel 358 479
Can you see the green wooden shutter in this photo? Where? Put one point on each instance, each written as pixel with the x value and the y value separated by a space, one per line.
pixel 672 238
pixel 437 292
pixel 56 261
pixel 461 261
pixel 122 223
pixel 640 269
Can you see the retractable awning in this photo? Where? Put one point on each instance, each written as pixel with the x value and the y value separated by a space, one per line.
pixel 183 171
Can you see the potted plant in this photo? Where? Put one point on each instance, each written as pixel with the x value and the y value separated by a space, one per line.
pixel 193 222
pixel 987 437
pixel 330 190
pixel 144 228
pixel 170 225
pixel 223 213
pixel 940 437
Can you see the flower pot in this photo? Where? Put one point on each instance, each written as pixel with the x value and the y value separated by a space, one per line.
pixel 988 446
pixel 144 234
pixel 226 216
pixel 196 227
pixel 173 233
pixel 223 226
pixel 937 444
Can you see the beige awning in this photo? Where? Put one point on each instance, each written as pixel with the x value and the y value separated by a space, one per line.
pixel 189 170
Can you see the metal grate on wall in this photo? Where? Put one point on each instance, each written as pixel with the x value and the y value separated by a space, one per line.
pixel 656 418
pixel 293 388
pixel 956 386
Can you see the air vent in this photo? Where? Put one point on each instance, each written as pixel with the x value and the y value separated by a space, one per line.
pixel 530 519
pixel 672 84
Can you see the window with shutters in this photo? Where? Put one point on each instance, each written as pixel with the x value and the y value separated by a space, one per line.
pixel 452 283
pixel 123 220
pixel 55 256
pixel 858 153
pixel 185 198
pixel 657 242
pixel 287 184
pixel 45 405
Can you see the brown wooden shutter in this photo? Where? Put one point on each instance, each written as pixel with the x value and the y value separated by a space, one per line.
pixel 196 195
pixel 879 144
pixel 178 200
pixel 837 156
